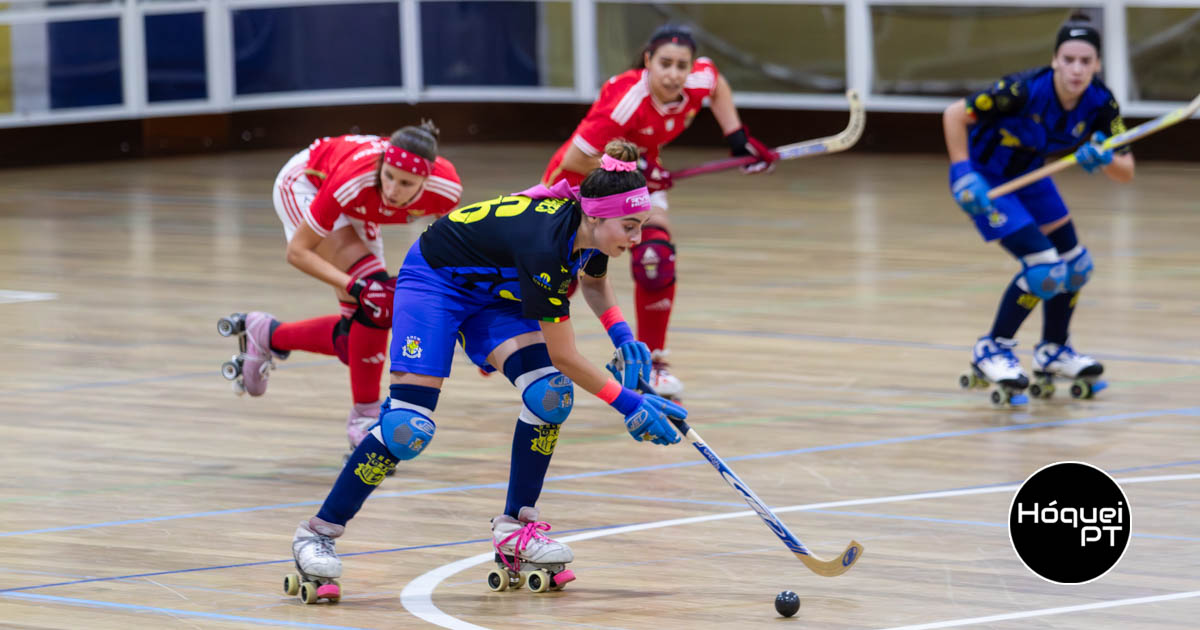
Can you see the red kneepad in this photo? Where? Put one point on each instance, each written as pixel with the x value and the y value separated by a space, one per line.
pixel 654 259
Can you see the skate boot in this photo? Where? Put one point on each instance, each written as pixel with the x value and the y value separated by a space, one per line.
pixel 316 563
pixel 250 368
pixel 1052 360
pixel 661 379
pixel 994 365
pixel 525 556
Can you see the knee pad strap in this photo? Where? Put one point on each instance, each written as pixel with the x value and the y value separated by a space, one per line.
pixel 404 431
pixel 1079 268
pixel 547 395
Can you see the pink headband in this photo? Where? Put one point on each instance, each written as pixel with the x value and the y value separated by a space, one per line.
pixel 406 161
pixel 610 163
pixel 618 205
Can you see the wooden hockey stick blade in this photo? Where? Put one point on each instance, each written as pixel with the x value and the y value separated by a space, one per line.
pixel 1119 140
pixel 835 567
pixel 807 148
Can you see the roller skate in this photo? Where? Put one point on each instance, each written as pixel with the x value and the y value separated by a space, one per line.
pixel 666 384
pixel 526 557
pixel 994 365
pixel 316 563
pixel 1052 360
pixel 250 368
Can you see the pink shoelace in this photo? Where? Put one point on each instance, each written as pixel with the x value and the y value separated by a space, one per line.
pixel 527 533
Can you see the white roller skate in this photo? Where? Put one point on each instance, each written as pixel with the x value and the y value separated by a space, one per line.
pixel 250 368
pixel 994 365
pixel 1052 360
pixel 316 563
pixel 666 384
pixel 525 556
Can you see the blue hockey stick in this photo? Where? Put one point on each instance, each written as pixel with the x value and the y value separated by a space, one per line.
pixel 827 568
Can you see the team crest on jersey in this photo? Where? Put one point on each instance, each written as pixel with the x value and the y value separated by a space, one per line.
pixel 546 440
pixel 1078 130
pixel 416 212
pixel 983 102
pixel 565 287
pixel 670 124
pixel 412 347
pixel 542 280
pixel 373 471
pixel 997 219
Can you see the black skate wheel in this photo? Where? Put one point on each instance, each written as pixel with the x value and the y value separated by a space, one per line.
pixel 966 381
pixel 998 397
pixel 1081 389
pixel 308 592
pixel 291 584
pixel 539 581
pixel 497 580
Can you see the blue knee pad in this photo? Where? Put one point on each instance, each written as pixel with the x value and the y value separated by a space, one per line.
pixel 547 394
pixel 1045 280
pixel 1079 270
pixel 405 432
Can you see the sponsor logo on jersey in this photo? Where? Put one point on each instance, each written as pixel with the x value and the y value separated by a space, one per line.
pixel 546 440
pixel 646 131
pixel 670 124
pixel 412 347
pixel 550 206
pixel 1007 139
pixel 360 209
pixel 542 280
pixel 1079 128
pixel 565 287
pixel 375 469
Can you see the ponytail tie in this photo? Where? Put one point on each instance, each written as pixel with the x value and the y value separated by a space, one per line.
pixel 610 163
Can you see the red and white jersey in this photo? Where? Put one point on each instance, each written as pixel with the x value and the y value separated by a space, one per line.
pixel 343 170
pixel 627 109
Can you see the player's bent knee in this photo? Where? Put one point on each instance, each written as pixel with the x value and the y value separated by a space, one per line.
pixel 547 398
pixel 1079 268
pixel 1046 280
pixel 405 432
pixel 654 259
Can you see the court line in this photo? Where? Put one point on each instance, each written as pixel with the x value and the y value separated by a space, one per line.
pixel 1043 612
pixel 71 601
pixel 417 595
pixel 9 296
pixel 685 464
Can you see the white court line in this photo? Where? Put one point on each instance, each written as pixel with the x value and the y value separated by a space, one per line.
pixel 953 623
pixel 8 296
pixel 417 596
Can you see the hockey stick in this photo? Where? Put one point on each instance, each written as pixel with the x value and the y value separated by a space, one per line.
pixel 827 568
pixel 807 148
pixel 1119 140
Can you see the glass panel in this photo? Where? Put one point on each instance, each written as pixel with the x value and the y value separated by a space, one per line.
pixel 317 47
pixel 85 63
pixel 1164 45
pixel 949 51
pixel 496 43
pixel 758 47
pixel 175 66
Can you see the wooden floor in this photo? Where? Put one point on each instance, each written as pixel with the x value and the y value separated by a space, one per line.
pixel 823 316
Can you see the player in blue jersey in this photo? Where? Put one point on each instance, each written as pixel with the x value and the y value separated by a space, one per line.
pixel 493 276
pixel 1005 131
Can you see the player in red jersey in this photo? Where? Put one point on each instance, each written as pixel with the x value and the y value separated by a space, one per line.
pixel 650 105
pixel 332 198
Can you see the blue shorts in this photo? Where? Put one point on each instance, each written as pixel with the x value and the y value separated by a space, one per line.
pixel 1037 203
pixel 430 314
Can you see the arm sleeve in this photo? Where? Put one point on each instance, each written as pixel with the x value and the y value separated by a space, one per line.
pixel 597 266
pixel 1005 97
pixel 544 281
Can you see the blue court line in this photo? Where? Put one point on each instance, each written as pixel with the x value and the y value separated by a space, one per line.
pixel 176 612
pixel 695 462
pixel 286 561
pixel 921 345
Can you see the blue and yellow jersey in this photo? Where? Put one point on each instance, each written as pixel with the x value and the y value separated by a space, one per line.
pixel 514 248
pixel 1019 121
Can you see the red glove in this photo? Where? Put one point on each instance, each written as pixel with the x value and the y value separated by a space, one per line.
pixel 741 143
pixel 374 301
pixel 657 177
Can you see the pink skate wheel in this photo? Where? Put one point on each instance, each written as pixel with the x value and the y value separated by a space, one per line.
pixel 562 577
pixel 329 591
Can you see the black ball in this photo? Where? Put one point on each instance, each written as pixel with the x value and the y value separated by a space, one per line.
pixel 787 603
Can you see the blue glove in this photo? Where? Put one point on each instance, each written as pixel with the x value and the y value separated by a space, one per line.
pixel 969 188
pixel 1093 155
pixel 649 420
pixel 634 360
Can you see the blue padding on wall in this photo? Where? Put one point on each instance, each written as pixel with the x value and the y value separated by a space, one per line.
pixel 479 43
pixel 175 64
pixel 317 47
pixel 84 63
